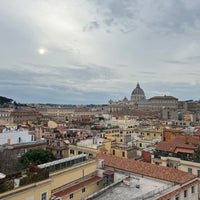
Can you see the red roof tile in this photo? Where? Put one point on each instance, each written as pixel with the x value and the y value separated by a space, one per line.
pixel 147 169
pixel 178 191
pixel 108 172
pixel 172 144
pixel 77 186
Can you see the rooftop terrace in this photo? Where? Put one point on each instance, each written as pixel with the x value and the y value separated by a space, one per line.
pixel 139 188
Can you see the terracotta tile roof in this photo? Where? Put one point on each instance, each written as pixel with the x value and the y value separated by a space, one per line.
pixel 108 172
pixel 77 186
pixel 147 169
pixel 165 146
pixel 172 144
pixel 178 191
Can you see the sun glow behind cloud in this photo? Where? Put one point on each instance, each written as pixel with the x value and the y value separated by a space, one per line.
pixel 42 51
pixel 104 46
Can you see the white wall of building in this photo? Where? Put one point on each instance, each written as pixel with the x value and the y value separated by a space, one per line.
pixel 15 137
pixel 93 142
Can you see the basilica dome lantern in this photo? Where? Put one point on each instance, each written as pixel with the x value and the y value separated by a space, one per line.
pixel 138 94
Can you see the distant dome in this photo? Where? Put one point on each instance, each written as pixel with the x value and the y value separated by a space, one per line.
pixel 138 90
pixel 110 101
pixel 125 99
pixel 137 94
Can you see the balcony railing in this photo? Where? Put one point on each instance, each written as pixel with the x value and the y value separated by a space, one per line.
pixel 182 156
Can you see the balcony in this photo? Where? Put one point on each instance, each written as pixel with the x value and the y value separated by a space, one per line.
pixel 33 175
pixel 182 156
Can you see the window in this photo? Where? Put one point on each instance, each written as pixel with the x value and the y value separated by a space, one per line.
pixel 79 152
pixel 44 196
pixel 123 154
pixel 190 170
pixel 83 189
pixel 170 165
pixel 177 197
pixel 71 196
pixel 98 183
pixel 71 151
pixel 192 189
pixel 113 152
pixel 185 193
pixel 198 173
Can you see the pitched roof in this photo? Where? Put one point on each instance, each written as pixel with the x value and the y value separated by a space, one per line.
pixel 177 191
pixel 172 144
pixel 164 97
pixel 78 186
pixel 147 169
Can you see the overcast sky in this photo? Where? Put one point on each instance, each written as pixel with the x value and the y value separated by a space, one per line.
pixel 90 51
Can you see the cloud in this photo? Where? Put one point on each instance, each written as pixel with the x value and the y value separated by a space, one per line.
pixel 193 58
pixel 175 62
pixel 98 48
pixel 80 78
pixel 109 21
pixel 181 90
pixel 91 26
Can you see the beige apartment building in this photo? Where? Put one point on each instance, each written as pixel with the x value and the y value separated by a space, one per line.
pixel 159 102
pixel 106 146
pixel 5 116
pixel 173 162
pixel 54 113
pixel 75 181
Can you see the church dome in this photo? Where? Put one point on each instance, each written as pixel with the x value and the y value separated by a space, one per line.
pixel 137 94
pixel 138 90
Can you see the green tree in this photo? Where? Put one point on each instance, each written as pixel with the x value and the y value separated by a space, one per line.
pixel 35 157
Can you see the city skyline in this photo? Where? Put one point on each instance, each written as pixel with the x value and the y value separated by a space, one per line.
pixel 82 52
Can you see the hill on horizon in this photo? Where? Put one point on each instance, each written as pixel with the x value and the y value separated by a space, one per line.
pixel 5 100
